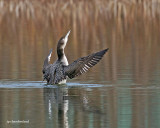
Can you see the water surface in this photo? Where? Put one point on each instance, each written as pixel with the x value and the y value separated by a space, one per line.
pixel 79 105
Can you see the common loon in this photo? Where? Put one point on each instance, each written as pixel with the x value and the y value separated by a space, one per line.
pixel 58 72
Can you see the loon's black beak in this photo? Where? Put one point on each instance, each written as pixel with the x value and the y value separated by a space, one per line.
pixel 66 36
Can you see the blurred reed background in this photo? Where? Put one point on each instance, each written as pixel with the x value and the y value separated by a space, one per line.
pixel 130 28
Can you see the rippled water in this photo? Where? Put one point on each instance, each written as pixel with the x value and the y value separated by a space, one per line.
pixel 79 105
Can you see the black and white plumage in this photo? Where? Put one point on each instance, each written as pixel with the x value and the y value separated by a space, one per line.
pixel 82 65
pixel 58 72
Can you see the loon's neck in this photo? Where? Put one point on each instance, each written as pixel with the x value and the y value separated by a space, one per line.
pixel 60 53
pixel 61 56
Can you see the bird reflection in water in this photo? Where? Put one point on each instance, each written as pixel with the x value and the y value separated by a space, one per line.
pixel 63 105
pixel 56 105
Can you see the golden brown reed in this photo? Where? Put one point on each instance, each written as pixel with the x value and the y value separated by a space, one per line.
pixel 88 14
pixel 52 8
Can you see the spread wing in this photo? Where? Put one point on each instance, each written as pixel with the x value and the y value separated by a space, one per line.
pixel 82 65
pixel 46 61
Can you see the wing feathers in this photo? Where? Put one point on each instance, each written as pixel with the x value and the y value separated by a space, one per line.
pixel 82 65
pixel 46 61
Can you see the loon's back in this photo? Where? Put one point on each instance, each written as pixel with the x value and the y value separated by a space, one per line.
pixel 56 73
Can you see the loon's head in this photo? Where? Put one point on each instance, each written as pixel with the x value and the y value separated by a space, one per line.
pixel 63 41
